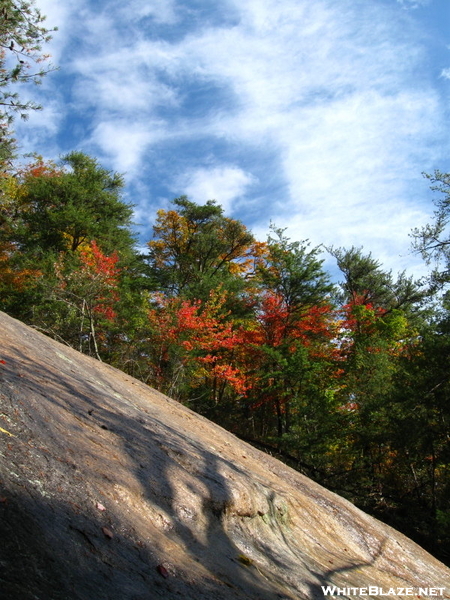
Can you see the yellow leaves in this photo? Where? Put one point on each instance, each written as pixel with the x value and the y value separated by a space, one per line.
pixel 171 233
pixel 13 189
pixel 171 226
pixel 9 187
pixel 248 258
pixel 260 249
pixel 204 243
pixel 70 238
pixel 7 432
pixel 236 268
pixel 156 244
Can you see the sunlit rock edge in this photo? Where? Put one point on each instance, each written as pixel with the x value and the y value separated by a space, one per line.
pixel 110 489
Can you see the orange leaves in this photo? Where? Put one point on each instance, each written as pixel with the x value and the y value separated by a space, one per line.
pixel 218 368
pixel 277 324
pixel 102 273
pixel 197 325
pixel 212 347
pixel 198 242
pixel 94 283
pixel 171 233
pixel 274 315
pixel 374 328
pixel 99 265
pixel 10 276
pixel 203 334
pixel 13 196
pixel 360 315
pixel 39 169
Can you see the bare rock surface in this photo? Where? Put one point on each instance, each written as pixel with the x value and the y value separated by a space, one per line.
pixel 112 490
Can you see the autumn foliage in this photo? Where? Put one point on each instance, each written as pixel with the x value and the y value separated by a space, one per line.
pixel 202 338
pixel 341 381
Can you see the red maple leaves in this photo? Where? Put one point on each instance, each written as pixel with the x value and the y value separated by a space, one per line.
pixel 102 274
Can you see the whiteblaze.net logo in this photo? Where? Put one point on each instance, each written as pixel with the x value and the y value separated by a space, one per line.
pixel 373 590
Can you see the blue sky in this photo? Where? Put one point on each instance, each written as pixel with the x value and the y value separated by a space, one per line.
pixel 317 115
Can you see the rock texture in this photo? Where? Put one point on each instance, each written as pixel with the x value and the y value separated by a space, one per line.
pixel 112 490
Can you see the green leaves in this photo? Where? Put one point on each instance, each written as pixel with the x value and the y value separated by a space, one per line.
pixel 196 248
pixel 350 384
pixel 294 271
pixel 60 208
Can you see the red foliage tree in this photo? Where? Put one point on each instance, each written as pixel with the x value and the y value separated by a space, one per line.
pixel 91 288
pixel 197 337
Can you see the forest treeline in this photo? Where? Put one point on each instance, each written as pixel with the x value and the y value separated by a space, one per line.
pixel 347 382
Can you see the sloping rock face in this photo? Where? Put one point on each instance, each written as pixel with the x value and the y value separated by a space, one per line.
pixel 112 490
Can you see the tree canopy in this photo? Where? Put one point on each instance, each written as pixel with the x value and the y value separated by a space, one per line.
pixel 60 207
pixel 195 248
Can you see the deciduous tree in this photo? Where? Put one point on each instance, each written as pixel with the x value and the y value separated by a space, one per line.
pixel 89 286
pixel 196 248
pixel 193 344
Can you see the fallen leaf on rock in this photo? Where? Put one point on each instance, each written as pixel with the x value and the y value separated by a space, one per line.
pixel 108 533
pixel 162 571
pixel 5 431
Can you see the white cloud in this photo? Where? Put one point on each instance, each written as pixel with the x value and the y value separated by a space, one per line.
pixel 39 132
pixel 413 3
pixel 124 142
pixel 224 183
pixel 162 11
pixel 112 86
pixel 304 56
pixel 350 167
pixel 338 94
pixel 61 15
pixel 343 111
pixel 357 148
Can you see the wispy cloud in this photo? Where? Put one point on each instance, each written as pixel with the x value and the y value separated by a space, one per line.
pixel 335 101
pixel 161 11
pixel 227 182
pixel 412 4
pixel 62 15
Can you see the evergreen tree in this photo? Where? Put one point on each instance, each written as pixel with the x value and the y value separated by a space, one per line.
pixel 59 208
pixel 433 240
pixel 22 35
pixel 51 215
pixel 291 338
pixel 365 279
